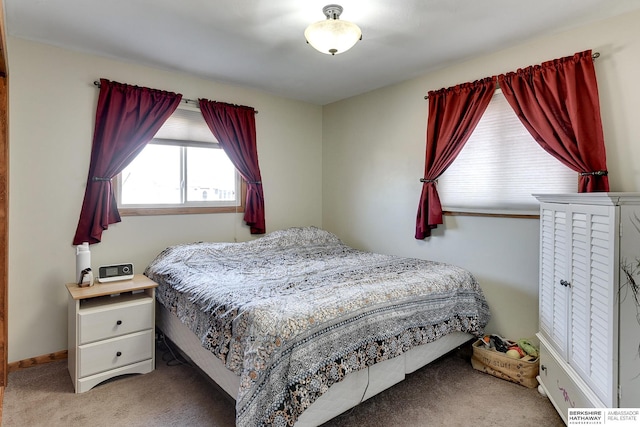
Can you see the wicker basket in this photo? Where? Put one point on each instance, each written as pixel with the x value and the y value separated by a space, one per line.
pixel 499 365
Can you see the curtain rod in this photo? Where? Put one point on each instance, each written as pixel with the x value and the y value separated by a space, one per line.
pixel 594 55
pixel 187 101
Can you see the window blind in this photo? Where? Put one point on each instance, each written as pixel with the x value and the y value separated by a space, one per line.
pixel 500 166
pixel 186 125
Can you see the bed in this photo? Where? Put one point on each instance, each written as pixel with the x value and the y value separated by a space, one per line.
pixel 298 327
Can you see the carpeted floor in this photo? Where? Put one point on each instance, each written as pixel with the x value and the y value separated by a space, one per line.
pixel 449 392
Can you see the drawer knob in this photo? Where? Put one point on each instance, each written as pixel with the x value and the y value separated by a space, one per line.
pixel 543 368
pixel 119 322
pixel 118 354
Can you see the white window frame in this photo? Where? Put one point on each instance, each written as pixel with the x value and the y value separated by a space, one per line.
pixel 185 207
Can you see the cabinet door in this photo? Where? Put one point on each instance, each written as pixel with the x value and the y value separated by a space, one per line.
pixel 553 273
pixel 593 283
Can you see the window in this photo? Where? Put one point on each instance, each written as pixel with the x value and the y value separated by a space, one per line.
pixel 182 170
pixel 500 166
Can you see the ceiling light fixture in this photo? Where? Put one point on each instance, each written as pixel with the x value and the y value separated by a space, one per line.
pixel 332 36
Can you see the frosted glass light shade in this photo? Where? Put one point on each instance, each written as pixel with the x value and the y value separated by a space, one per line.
pixel 333 36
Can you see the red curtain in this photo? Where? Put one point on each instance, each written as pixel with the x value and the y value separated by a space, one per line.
pixel 235 129
pixel 127 117
pixel 557 102
pixel 453 115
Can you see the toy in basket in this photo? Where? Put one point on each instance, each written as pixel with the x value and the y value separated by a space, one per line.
pixel 513 361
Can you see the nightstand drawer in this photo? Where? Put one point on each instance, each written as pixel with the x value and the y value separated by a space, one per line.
pixel 112 318
pixel 113 353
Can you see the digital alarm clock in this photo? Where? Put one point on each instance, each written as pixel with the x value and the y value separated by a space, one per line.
pixel 112 273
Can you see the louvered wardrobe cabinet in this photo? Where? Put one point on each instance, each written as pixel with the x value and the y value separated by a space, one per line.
pixel 589 314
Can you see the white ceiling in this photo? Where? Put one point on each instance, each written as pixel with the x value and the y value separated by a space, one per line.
pixel 260 44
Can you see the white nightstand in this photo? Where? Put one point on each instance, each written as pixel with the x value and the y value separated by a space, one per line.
pixel 111 330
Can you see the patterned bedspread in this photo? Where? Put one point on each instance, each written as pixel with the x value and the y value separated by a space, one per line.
pixel 295 311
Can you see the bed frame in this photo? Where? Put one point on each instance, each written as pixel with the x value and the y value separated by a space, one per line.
pixel 352 390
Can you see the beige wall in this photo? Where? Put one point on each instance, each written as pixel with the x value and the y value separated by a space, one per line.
pixel 52 105
pixel 373 157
